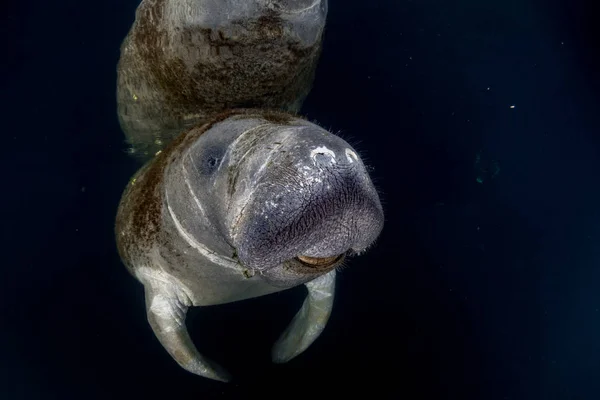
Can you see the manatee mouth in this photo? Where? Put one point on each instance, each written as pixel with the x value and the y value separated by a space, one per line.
pixel 320 263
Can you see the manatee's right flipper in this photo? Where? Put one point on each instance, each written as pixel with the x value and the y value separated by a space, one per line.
pixel 166 307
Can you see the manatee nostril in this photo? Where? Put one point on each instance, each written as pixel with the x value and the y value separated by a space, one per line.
pixel 351 156
pixel 323 159
pixel 322 156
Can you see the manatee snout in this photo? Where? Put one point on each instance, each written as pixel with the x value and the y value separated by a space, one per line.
pixel 313 200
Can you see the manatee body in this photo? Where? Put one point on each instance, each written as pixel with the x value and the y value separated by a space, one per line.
pixel 239 200
pixel 250 203
pixel 184 61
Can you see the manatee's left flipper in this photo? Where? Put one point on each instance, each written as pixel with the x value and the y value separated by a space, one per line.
pixel 309 322
pixel 166 308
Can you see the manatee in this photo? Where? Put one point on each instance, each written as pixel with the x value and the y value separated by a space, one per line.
pixel 251 203
pixel 236 201
pixel 184 61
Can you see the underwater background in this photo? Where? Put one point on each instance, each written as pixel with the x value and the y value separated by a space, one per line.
pixel 480 122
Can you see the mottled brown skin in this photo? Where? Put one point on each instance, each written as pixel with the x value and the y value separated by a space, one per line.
pixel 171 78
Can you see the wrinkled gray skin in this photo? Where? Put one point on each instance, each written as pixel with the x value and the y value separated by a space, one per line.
pixel 183 61
pixel 248 201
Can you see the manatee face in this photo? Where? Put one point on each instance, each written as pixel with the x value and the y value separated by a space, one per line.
pixel 292 200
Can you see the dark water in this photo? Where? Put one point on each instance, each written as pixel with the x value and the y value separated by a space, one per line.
pixel 485 283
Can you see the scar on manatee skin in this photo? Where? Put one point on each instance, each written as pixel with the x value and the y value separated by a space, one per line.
pixel 232 173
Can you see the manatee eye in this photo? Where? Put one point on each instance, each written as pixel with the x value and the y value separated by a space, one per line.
pixel 209 158
pixel 211 164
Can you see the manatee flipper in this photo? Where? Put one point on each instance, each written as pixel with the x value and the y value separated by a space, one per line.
pixel 309 322
pixel 166 308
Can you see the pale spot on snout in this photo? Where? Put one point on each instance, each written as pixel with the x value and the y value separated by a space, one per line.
pixel 318 153
pixel 351 155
